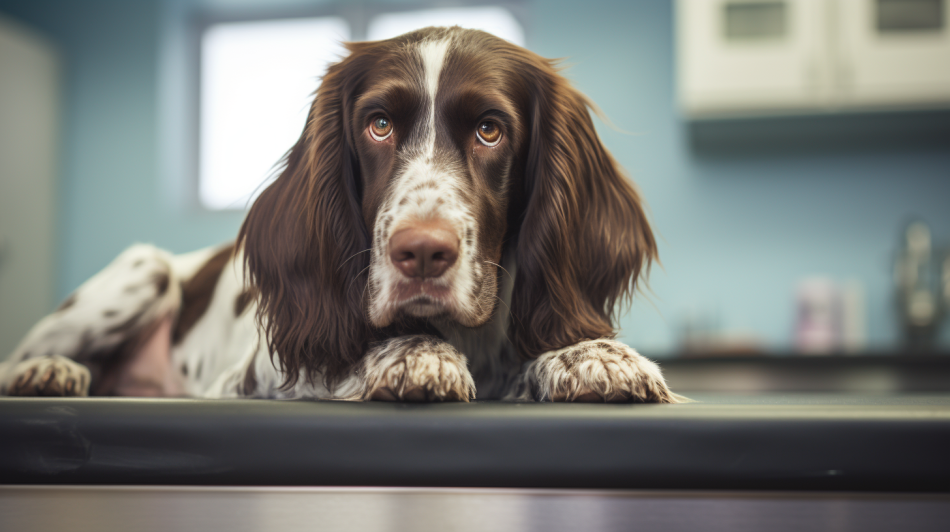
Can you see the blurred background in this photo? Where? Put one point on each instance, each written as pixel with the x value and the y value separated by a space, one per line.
pixel 795 154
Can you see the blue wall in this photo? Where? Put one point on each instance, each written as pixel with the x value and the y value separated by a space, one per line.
pixel 116 185
pixel 738 227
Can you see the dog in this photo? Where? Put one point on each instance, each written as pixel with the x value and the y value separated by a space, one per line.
pixel 447 227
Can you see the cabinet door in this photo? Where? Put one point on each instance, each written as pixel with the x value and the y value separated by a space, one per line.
pixel 29 109
pixel 752 56
pixel 897 52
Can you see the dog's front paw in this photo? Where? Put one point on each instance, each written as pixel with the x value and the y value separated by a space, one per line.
pixel 597 371
pixel 49 376
pixel 417 368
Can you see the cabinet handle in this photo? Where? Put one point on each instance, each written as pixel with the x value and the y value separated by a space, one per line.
pixel 4 250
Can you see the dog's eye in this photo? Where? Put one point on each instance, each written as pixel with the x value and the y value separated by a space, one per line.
pixel 489 133
pixel 381 128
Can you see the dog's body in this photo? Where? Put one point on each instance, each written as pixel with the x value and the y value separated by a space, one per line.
pixel 447 225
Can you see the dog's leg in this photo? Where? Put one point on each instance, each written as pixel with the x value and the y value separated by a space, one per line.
pixel 415 368
pixel 92 328
pixel 594 371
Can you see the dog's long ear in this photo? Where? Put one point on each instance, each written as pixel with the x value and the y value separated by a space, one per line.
pixel 303 239
pixel 585 238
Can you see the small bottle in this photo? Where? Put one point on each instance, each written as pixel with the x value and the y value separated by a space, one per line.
pixel 818 321
pixel 918 300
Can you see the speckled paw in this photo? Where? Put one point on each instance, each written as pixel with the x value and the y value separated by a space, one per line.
pixel 55 376
pixel 417 369
pixel 597 371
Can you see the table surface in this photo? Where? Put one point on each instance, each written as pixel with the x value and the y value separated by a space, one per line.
pixel 826 442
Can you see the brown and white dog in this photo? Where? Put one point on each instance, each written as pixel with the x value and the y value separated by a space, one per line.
pixel 448 226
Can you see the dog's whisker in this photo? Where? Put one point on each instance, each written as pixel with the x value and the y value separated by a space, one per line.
pixel 504 330
pixel 500 266
pixel 351 258
pixel 357 276
pixel 365 286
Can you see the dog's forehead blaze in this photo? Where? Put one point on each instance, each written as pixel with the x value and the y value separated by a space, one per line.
pixel 442 78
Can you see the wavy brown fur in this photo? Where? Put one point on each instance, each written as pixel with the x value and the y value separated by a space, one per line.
pixel 299 235
pixel 585 238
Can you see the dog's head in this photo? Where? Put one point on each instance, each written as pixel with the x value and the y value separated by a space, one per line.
pixel 424 159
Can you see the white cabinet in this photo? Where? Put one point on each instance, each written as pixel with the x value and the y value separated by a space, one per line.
pixel 895 52
pixel 29 128
pixel 748 57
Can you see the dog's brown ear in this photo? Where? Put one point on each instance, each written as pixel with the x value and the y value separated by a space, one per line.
pixel 585 239
pixel 303 239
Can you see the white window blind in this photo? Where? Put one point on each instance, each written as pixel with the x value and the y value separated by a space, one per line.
pixel 495 20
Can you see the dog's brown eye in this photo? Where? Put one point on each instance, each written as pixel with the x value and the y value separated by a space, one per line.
pixel 489 133
pixel 381 128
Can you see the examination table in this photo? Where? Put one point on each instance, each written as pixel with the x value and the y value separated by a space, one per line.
pixel 764 461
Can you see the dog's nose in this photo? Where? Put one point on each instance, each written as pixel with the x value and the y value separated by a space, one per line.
pixel 425 249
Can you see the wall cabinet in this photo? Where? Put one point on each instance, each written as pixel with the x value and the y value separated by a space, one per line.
pixel 767 57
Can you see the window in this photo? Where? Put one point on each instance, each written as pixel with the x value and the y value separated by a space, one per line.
pixel 256 82
pixel 258 78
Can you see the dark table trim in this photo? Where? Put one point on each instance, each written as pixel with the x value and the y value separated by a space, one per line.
pixel 876 447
